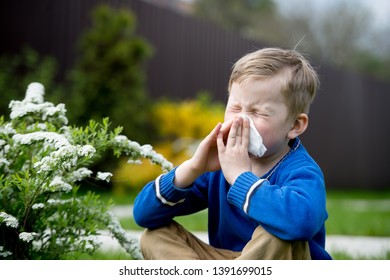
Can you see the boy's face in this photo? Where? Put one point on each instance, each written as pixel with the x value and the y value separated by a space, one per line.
pixel 262 101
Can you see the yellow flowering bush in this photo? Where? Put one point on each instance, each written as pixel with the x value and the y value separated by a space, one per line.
pixel 187 119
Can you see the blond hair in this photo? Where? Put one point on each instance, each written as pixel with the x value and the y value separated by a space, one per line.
pixel 300 79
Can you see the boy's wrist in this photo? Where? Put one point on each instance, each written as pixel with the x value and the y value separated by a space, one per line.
pixel 244 185
pixel 186 174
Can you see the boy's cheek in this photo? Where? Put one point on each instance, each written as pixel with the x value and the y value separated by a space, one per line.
pixel 230 114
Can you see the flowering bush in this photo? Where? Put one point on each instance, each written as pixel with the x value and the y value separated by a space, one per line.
pixel 192 119
pixel 41 161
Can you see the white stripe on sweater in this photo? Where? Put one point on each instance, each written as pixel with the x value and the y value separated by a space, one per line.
pixel 249 194
pixel 160 197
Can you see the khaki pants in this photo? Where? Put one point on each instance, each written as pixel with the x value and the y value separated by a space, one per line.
pixel 173 242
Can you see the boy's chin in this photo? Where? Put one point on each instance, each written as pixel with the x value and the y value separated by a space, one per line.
pixel 251 156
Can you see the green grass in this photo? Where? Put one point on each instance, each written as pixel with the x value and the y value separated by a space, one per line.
pixel 195 222
pixel 343 256
pixel 358 213
pixel 105 255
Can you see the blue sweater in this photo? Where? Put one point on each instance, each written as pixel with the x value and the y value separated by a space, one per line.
pixel 289 202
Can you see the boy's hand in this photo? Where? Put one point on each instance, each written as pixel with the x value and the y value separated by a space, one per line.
pixel 205 159
pixel 233 156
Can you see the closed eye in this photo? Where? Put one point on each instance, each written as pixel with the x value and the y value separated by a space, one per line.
pixel 254 112
pixel 259 113
pixel 235 108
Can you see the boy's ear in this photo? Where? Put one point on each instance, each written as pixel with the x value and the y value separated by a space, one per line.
pixel 299 126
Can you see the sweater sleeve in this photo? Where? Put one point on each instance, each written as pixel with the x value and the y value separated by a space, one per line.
pixel 293 209
pixel 160 201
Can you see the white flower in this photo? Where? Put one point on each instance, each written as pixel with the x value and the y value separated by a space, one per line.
pixel 27 236
pixel 66 132
pixel 86 150
pixel 7 129
pixel 44 165
pixel 3 253
pixel 167 166
pixel 33 103
pixel 80 174
pixel 37 126
pixel 128 146
pixel 56 202
pixel 56 139
pixel 35 93
pixel 49 110
pixel 4 149
pixel 132 161
pixel 104 176
pixel 9 220
pixel 135 150
pixel 134 145
pixel 64 158
pixel 38 206
pixel 91 242
pixel 4 162
pixel 42 126
pixel 59 185
pixel 146 150
pixel 121 139
pixel 129 243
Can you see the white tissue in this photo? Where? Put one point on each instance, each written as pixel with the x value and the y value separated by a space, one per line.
pixel 256 146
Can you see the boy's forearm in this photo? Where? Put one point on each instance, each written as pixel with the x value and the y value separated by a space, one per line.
pixel 185 175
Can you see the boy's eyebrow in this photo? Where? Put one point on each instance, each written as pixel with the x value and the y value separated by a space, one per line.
pixel 261 107
pixel 234 102
pixel 254 105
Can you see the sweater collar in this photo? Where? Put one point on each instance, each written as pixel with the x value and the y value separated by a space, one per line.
pixel 294 145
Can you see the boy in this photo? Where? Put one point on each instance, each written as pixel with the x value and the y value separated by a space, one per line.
pixel 268 207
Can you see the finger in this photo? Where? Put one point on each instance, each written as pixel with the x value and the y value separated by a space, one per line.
pixel 239 131
pixel 226 126
pixel 245 133
pixel 220 144
pixel 232 138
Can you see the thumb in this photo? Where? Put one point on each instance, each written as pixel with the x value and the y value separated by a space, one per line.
pixel 214 133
